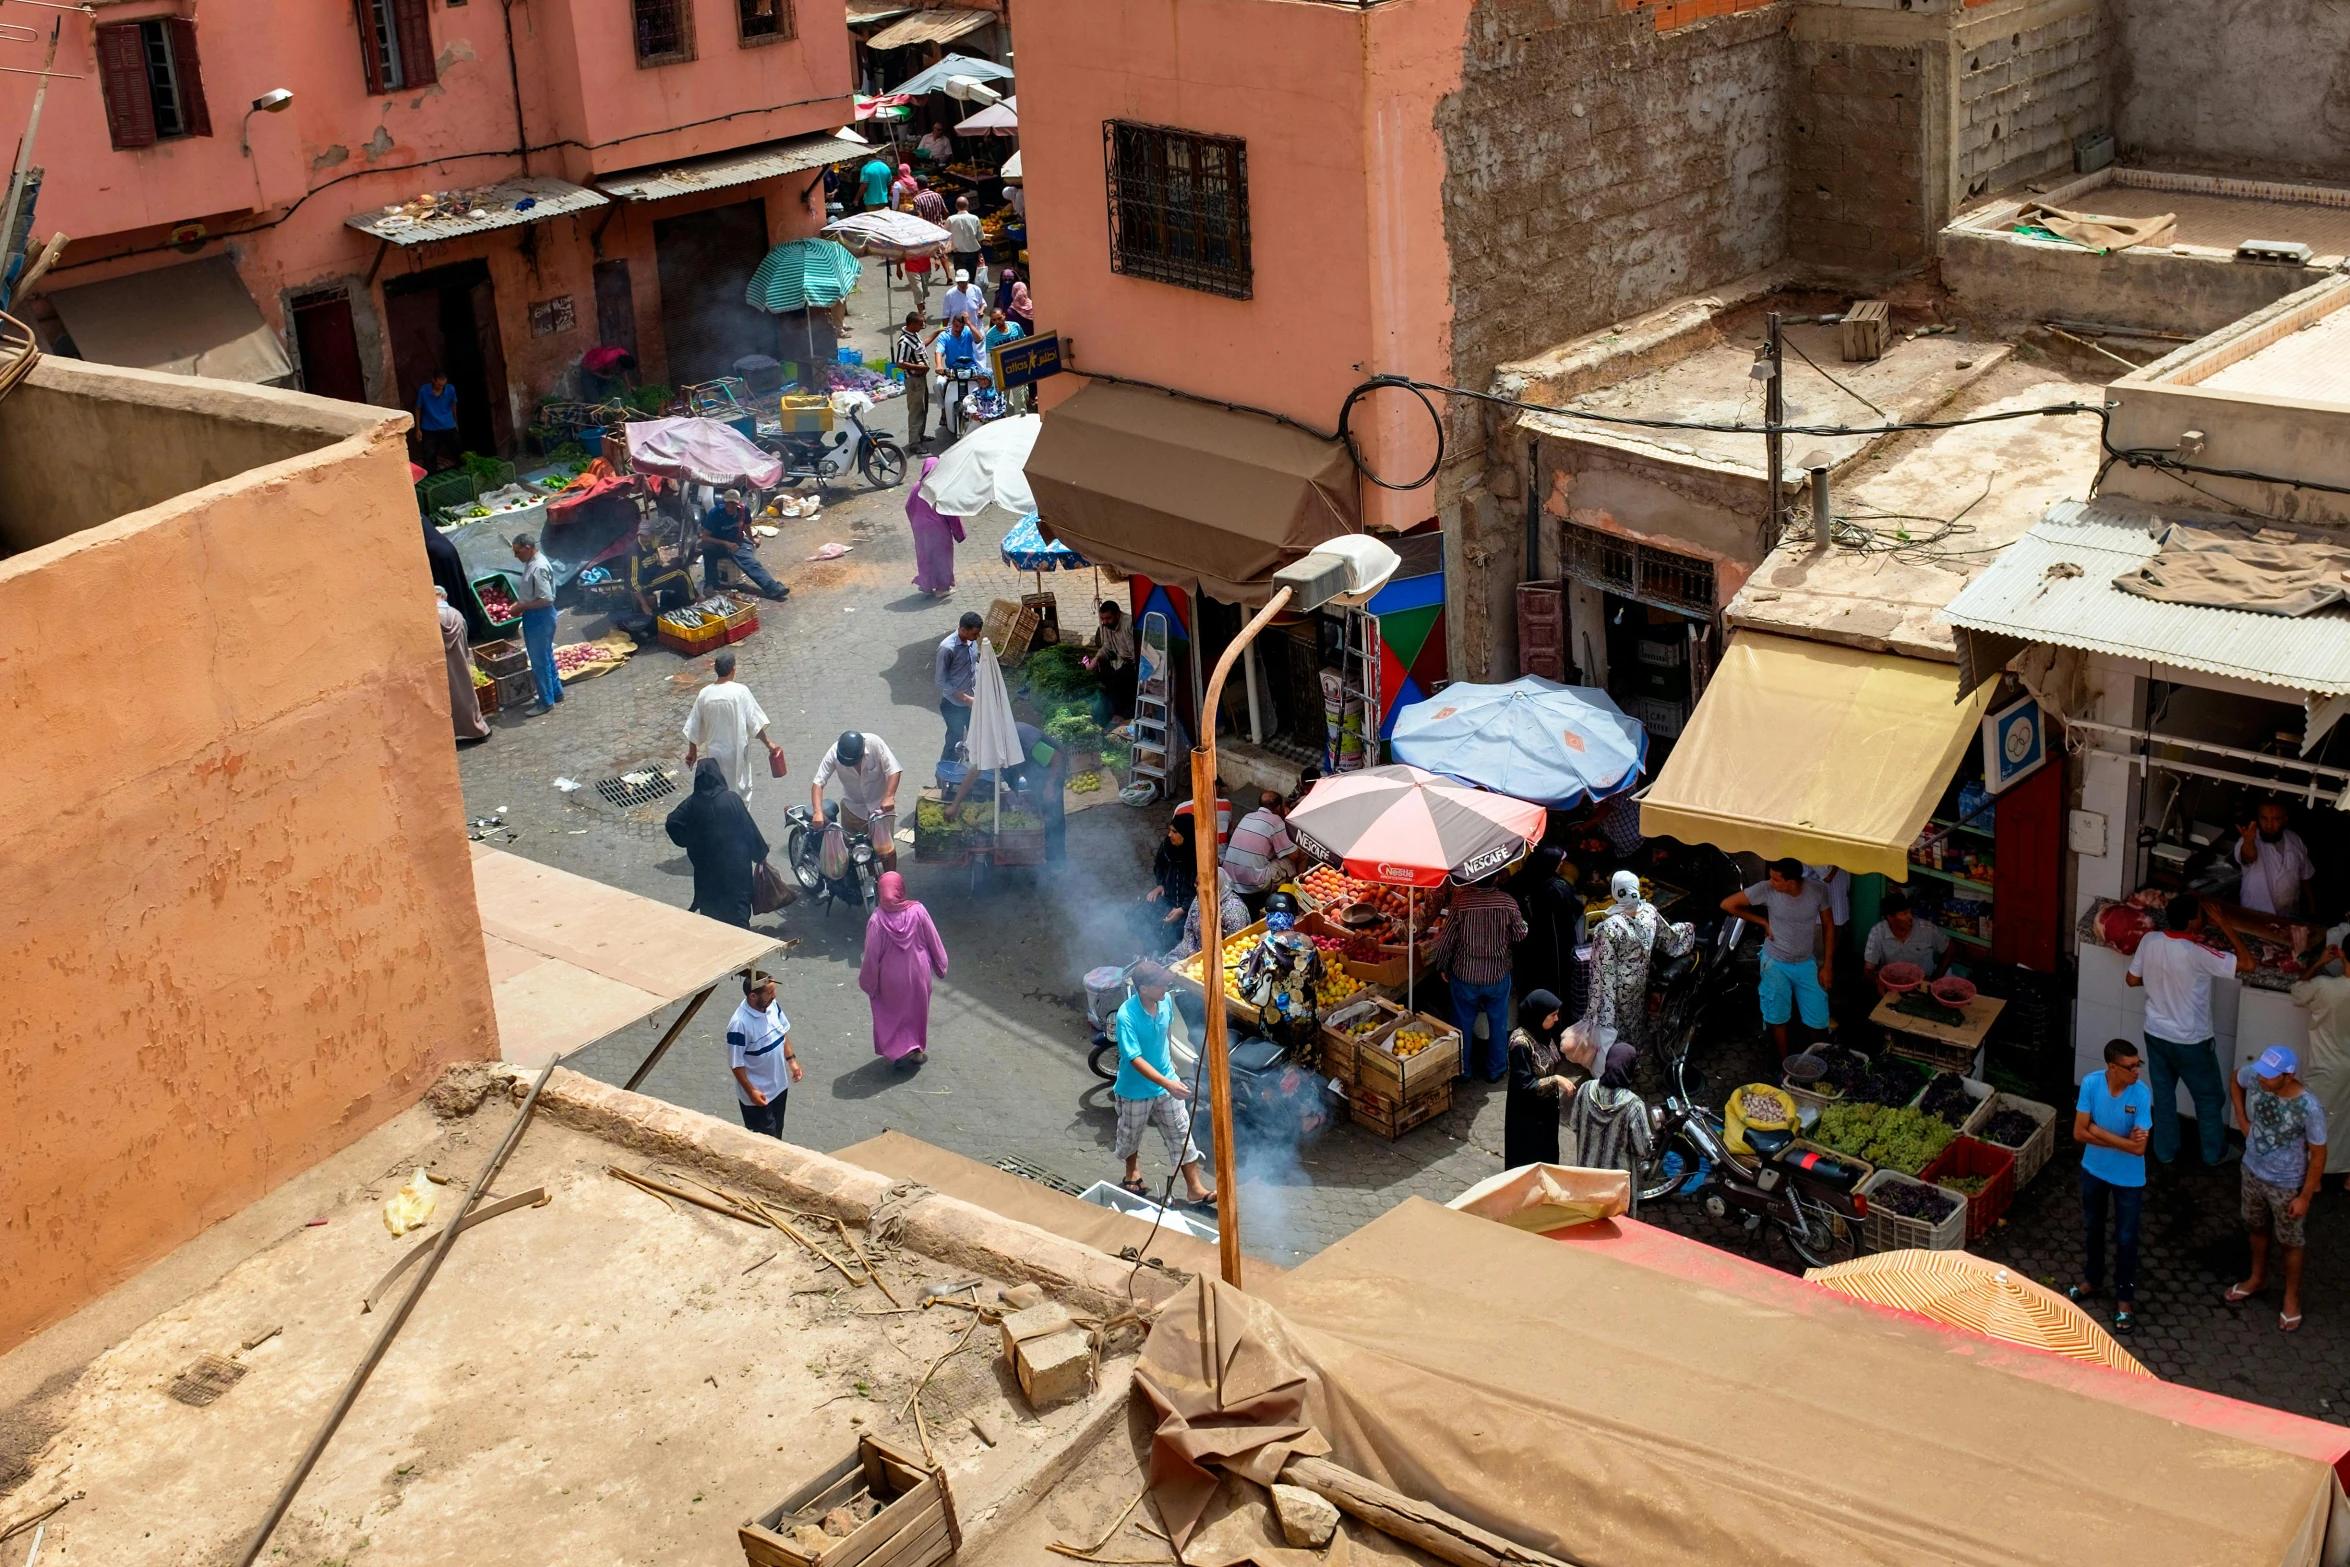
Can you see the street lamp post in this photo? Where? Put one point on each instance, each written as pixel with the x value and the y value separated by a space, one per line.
pixel 1346 571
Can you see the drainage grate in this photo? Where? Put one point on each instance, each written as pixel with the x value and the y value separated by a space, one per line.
pixel 641 787
pixel 206 1379
pixel 1011 1165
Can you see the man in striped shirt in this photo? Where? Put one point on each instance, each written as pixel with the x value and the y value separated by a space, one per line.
pixel 1474 953
pixel 1257 855
pixel 913 361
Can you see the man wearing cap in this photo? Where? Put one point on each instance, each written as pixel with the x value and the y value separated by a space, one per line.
pixel 869 775
pixel 965 299
pixel 536 594
pixel 726 533
pixel 2284 1159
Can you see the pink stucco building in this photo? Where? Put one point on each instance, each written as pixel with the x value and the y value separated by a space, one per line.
pixel 664 145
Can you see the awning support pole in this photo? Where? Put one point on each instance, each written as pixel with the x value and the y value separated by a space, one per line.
pixel 1211 936
pixel 670 1038
pixel 382 248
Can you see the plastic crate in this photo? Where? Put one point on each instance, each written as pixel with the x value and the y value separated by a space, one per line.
pixel 1884 1230
pixel 692 641
pixel 806 413
pixel 515 690
pixel 1978 1091
pixel 501 658
pixel 441 491
pixel 474 587
pixel 2034 1155
pixel 1966 1156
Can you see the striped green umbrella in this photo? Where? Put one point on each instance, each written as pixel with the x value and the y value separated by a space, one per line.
pixel 801 273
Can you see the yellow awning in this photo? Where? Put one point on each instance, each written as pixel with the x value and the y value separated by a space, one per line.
pixel 1827 753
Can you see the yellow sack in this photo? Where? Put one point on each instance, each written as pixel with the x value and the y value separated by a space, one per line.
pixel 1736 1118
pixel 410 1208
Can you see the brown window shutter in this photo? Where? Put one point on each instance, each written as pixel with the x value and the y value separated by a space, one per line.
pixel 122 73
pixel 415 28
pixel 193 111
pixel 371 59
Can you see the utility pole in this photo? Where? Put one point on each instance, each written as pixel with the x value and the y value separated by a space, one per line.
pixel 1774 415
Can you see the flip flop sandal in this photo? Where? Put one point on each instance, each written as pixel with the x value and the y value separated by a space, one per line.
pixel 2237 1294
pixel 1134 1188
pixel 2082 1294
pixel 1205 1204
pixel 2291 1324
pixel 2125 1321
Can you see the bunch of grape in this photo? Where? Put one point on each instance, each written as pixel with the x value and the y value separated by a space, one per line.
pixel 1889 1138
pixel 1947 1099
pixel 1889 1081
pixel 2009 1129
pixel 1914 1202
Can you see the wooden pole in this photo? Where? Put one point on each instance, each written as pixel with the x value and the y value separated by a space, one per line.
pixel 670 1038
pixel 1410 1520
pixel 1211 934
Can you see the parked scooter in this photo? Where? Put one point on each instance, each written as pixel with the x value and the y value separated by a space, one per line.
pixel 828 457
pixel 857 877
pixel 1806 1196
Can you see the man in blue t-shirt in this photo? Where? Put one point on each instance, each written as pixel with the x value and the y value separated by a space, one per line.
pixel 2111 1122
pixel 1147 1092
pixel 436 422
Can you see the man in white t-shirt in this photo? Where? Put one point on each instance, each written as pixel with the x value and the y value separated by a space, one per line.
pixel 758 1047
pixel 869 775
pixel 725 719
pixel 2274 860
pixel 2177 971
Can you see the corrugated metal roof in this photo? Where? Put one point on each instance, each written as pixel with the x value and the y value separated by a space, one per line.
pixel 929 27
pixel 2055 585
pixel 863 12
pixel 796 156
pixel 452 214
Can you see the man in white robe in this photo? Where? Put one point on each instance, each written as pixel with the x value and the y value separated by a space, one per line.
pixel 723 726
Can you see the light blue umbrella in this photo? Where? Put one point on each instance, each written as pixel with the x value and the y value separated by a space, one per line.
pixel 953 65
pixel 800 273
pixel 1025 549
pixel 1532 739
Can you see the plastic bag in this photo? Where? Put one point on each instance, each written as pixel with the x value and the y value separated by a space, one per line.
pixel 832 857
pixel 410 1208
pixel 1546 1197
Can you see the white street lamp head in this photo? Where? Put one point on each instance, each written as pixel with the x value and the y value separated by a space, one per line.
pixel 273 101
pixel 1348 571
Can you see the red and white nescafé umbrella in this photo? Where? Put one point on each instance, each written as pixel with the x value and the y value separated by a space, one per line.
pixel 1408 828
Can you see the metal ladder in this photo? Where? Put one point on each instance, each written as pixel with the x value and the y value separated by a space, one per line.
pixel 1358 684
pixel 1152 714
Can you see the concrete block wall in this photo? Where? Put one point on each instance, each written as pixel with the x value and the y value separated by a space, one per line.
pixel 2031 75
pixel 1857 156
pixel 1599 163
pixel 2259 91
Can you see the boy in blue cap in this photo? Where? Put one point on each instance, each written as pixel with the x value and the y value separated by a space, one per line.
pixel 2284 1159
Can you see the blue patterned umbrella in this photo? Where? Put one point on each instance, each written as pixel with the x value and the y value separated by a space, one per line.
pixel 1026 549
pixel 801 273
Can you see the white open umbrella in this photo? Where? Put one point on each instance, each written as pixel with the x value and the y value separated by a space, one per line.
pixel 988 467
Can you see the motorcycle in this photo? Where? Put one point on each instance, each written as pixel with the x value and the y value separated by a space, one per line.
pixel 828 457
pixel 1807 1197
pixel 803 849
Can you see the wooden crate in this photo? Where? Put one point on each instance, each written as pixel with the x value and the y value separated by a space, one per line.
pixel 1391 1120
pixel 1867 331
pixel 1001 616
pixel 915 1527
pixel 1408 1079
pixel 1339 1046
pixel 1048 616
pixel 501 658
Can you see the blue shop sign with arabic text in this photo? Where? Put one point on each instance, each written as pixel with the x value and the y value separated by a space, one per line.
pixel 1028 360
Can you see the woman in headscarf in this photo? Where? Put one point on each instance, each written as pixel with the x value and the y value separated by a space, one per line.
pixel 715 829
pixel 935 536
pixel 1609 1121
pixel 903 188
pixel 448 574
pixel 1620 951
pixel 1003 288
pixel 902 955
pixel 1175 869
pixel 1019 309
pixel 1546 959
pixel 1530 1121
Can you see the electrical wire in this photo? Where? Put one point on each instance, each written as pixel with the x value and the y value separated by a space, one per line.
pixel 1788 342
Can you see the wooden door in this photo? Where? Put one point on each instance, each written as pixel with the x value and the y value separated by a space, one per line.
pixel 483 299
pixel 328 345
pixel 2027 916
pixel 615 306
pixel 1542 635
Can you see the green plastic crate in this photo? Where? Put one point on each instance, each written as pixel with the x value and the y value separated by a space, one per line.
pixel 441 491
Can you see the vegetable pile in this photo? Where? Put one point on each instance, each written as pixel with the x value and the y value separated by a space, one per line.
pixel 1888 1081
pixel 1966 1185
pixel 1947 1099
pixel 1926 1203
pixel 496 601
pixel 1891 1138
pixel 2009 1129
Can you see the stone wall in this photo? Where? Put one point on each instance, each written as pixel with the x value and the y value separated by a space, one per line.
pixel 2031 75
pixel 2230 87
pixel 1857 156
pixel 1600 162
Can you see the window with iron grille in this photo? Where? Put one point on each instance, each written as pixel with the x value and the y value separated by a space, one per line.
pixel 664 31
pixel 1640 572
pixel 1178 207
pixel 153 85
pixel 764 22
pixel 395 45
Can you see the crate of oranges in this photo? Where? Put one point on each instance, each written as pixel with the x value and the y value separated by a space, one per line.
pixel 1347 1028
pixel 1414 1060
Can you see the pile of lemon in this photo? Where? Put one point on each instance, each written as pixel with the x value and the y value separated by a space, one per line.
pixel 1336 986
pixel 1409 1042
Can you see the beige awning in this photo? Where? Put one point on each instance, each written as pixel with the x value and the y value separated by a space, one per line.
pixel 1826 753
pixel 929 27
pixel 796 156
pixel 1183 491
pixel 192 319
pixel 572 960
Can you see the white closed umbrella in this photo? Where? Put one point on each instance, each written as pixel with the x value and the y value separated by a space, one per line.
pixel 988 467
pixel 994 736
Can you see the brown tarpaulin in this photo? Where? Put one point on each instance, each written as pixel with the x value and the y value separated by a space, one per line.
pixel 1620 1416
pixel 1182 491
pixel 2269 571
pixel 2086 228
